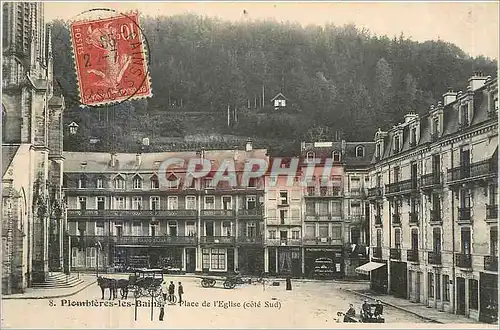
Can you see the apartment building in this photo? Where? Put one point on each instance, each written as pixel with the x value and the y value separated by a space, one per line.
pixel 334 211
pixel 433 197
pixel 120 215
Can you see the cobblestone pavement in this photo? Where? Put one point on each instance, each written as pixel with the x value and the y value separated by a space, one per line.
pixel 309 304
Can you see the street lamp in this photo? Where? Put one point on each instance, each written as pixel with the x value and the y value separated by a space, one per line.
pixel 73 128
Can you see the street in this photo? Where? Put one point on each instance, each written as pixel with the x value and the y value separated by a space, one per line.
pixel 309 304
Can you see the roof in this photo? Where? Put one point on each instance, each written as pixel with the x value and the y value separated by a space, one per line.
pixel 8 153
pixel 278 96
pixel 100 162
pixel 450 122
pixel 348 158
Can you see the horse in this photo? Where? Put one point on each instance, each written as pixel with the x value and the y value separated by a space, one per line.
pixel 123 284
pixel 107 283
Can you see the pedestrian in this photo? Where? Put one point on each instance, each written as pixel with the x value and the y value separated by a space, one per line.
pixel 180 290
pixel 171 292
pixel 162 309
pixel 379 309
pixel 164 290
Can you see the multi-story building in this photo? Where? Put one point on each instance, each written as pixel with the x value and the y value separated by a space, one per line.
pixel 120 214
pixel 334 206
pixel 33 222
pixel 434 204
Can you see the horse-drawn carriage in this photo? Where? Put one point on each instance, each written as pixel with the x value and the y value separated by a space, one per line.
pixel 146 282
pixel 228 282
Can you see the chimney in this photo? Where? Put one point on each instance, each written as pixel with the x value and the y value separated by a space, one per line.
pixel 248 146
pixel 449 97
pixel 138 159
pixel 477 81
pixel 410 117
pixel 113 159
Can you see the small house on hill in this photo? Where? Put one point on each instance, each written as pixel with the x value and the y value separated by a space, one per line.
pixel 279 101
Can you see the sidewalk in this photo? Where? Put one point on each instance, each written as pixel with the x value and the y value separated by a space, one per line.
pixel 31 293
pixel 418 309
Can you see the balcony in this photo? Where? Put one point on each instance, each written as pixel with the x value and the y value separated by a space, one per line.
pixel 374 193
pixel 395 253
pixel 472 172
pixel 253 214
pixel 317 241
pixel 357 192
pixel 322 217
pixel 491 263
pixel 284 242
pixel 219 214
pixel 177 214
pixel 412 255
pixel 91 240
pixel 396 219
pixel 323 192
pixel 464 214
pixel 413 218
pixel 377 252
pixel 463 260
pixel 244 240
pixel 156 240
pixel 435 216
pixel 430 181
pixel 401 187
pixel 434 258
pixel 378 220
pixel 221 240
pixel 491 212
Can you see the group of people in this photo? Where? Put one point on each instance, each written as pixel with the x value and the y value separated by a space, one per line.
pixel 168 292
pixel 366 311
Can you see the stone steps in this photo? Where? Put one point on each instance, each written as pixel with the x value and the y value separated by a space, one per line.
pixel 58 281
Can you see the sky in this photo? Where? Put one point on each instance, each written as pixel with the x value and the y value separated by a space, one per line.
pixel 473 26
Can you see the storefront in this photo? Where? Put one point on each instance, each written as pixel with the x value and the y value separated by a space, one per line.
pixel 399 279
pixel 251 260
pixel 138 257
pixel 217 260
pixel 488 291
pixel 377 270
pixel 285 261
pixel 323 263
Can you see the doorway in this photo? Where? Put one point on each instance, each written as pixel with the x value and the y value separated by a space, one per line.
pixel 190 260
pixel 460 296
pixel 209 228
pixel 417 286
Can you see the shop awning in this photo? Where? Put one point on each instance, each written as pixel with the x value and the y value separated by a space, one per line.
pixel 368 267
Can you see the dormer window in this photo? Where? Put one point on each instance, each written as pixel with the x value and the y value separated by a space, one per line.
pixel 137 182
pixel 435 126
pixel 172 181
pixel 155 184
pixel 336 156
pixel 99 183
pixel 464 115
pixel 360 151
pixel 310 157
pixel 396 143
pixel 413 136
pixel 378 152
pixel 119 182
pixel 82 182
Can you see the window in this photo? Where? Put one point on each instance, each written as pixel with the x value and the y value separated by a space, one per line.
pixel 136 228
pixel 336 208
pixel 209 203
pixel 82 201
pixel 82 182
pixel 355 235
pixel 396 143
pixel 414 239
pixel 336 232
pixel 283 198
pixel 153 228
pixel 191 203
pixel 227 203
pixel 396 174
pixel 172 203
pixel 137 182
pixel 251 202
pixel 310 208
pixel 493 241
pixel 172 228
pixel 431 284
pixel 473 294
pixel 436 204
pixel 336 156
pixel 272 234
pixel 377 151
pixel 172 181
pixel 208 183
pixel 99 228
pixel 446 288
pixel 99 184
pixel 397 239
pixel 218 259
pixel 360 151
pixel 155 183
pixel 226 228
pixel 205 260
pixel 413 136
pixel 295 234
pixel 310 231
pixel 310 157
pixel 137 203
pixel 438 288
pixel 465 241
pixel 435 126
pixel 190 228
pixel 436 239
pixel 355 208
pixel 464 114
pixel 283 216
pixel 323 231
pixel 251 229
pixel 155 203
pixel 493 194
pixel 101 203
pixel 379 238
pixel 464 198
pixel 119 183
pixel 119 203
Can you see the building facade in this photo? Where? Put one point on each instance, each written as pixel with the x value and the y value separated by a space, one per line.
pixel 33 222
pixel 434 204
pixel 120 215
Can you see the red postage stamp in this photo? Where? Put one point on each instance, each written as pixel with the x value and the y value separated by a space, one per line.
pixel 110 60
